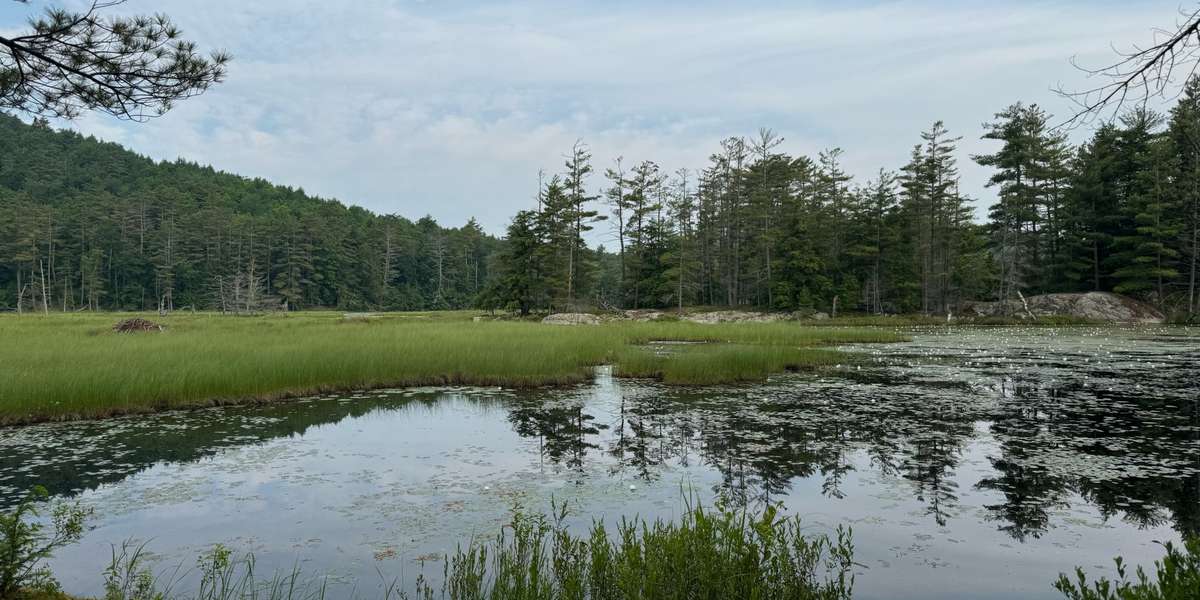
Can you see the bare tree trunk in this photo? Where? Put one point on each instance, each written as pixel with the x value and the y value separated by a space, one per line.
pixel 387 258
pixel 45 297
pixel 571 268
pixel 47 292
pixel 1025 305
pixel 1193 307
pixel 142 230
pixel 679 289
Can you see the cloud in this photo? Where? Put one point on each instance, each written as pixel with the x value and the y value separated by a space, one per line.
pixel 450 109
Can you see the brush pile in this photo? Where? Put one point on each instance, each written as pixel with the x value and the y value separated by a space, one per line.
pixel 136 324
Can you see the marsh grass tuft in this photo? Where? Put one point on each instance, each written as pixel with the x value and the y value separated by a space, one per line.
pixel 720 552
pixel 723 363
pixel 74 366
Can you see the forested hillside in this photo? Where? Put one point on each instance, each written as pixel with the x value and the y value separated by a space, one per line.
pixel 762 228
pixel 88 224
pixel 92 225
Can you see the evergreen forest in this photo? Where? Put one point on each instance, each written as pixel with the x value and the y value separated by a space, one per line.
pixel 91 225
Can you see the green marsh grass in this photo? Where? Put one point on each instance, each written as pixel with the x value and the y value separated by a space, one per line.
pixel 74 366
pixel 710 364
pixel 709 553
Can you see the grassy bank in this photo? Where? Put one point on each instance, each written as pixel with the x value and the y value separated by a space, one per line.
pixel 74 366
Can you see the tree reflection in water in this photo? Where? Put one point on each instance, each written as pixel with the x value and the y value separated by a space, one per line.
pixel 1122 434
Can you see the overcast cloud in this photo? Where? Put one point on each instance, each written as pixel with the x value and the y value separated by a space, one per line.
pixel 450 108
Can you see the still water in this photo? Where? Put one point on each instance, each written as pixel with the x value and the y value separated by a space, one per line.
pixel 970 463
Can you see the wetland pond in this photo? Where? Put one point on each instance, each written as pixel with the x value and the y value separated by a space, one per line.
pixel 970 463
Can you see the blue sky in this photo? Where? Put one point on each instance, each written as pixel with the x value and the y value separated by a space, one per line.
pixel 450 108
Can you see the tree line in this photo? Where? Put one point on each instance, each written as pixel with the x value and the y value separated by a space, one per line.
pixel 757 227
pixel 90 225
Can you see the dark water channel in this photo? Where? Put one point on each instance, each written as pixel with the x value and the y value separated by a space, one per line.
pixel 970 463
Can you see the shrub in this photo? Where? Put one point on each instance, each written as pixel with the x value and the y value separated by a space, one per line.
pixel 26 544
pixel 1176 577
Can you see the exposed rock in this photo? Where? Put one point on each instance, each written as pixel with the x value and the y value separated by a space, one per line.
pixel 572 319
pixel 643 314
pixel 136 324
pixel 1093 306
pixel 735 316
pixel 819 316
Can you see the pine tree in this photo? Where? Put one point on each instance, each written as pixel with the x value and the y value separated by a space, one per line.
pixel 521 285
pixel 1145 263
pixel 580 220
pixel 936 214
pixel 1093 209
pixel 618 200
pixel 680 260
pixel 832 211
pixel 875 237
pixel 769 180
pixel 1184 132
pixel 643 233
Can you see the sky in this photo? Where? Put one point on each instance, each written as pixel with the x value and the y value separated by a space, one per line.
pixel 450 108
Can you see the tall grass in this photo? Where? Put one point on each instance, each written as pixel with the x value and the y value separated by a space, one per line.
pixel 75 366
pixel 710 553
pixel 719 553
pixel 723 363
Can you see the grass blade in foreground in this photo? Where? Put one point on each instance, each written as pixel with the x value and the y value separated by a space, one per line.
pixel 720 552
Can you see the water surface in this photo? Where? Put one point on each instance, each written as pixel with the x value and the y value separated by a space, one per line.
pixel 970 463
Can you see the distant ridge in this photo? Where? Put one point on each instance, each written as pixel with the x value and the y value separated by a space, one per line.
pixel 107 228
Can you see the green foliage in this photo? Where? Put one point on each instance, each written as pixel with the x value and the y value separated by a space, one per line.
pixel 26 543
pixel 129 67
pixel 709 553
pixel 546 263
pixel 1144 260
pixel 222 576
pixel 105 229
pixel 722 552
pixel 1027 223
pixel 93 226
pixel 723 363
pixel 127 578
pixel 936 217
pixel 1176 577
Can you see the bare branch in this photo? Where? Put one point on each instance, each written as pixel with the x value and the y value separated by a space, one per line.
pixel 1139 75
